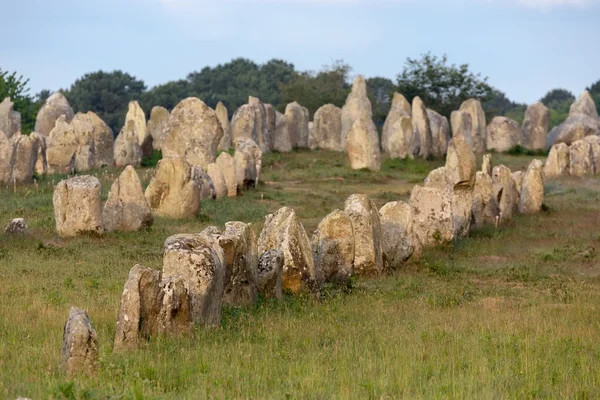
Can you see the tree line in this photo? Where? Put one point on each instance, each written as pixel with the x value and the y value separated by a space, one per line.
pixel 441 85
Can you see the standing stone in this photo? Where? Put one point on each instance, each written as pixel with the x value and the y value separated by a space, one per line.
pixel 283 141
pixel 157 126
pixel 368 251
pixel 362 146
pixel 557 162
pixel 532 189
pixel 263 134
pixel 243 123
pixel 432 216
pixel 594 142
pixel 422 128
pixel 17 227
pixel 79 353
pixel 485 204
pixel 223 117
pixel 327 129
pixel 440 133
pixel 94 137
pixel 139 307
pixel 200 261
pixel 399 137
pixel 503 134
pixel 437 179
pixel 396 233
pixel 127 149
pixel 333 247
pixel 126 208
pixel 151 306
pixel 55 106
pixel 535 127
pixel 461 165
pixel 78 206
pixel 518 178
pixel 584 106
pixel 284 231
pixel 25 153
pixel 392 135
pixel 41 164
pixel 357 106
pixel 137 115
pixel 478 128
pixel 61 147
pixel 194 133
pixel 582 121
pixel 218 180
pixel 486 164
pixel 505 190
pixel 581 158
pixel 10 120
pixel 297 124
pixel 241 263
pixel 248 162
pixel 462 125
pixel 6 158
pixel 227 165
pixel 269 279
pixel 204 183
pixel 172 192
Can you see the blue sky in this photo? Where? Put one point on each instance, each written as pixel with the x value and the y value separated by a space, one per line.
pixel 525 47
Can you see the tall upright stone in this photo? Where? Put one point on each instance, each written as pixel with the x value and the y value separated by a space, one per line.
pixel 227 164
pixel 535 127
pixel 61 148
pixel 503 134
pixel 223 117
pixel 581 158
pixel 478 133
pixel 532 189
pixel 264 135
pixel 327 129
pixel 333 247
pixel 440 133
pixel 248 162
pixel 200 261
pixel 172 191
pixel 54 106
pixel 392 134
pixel 7 152
pixel 485 203
pixel 462 125
pixel 41 164
pixel 282 141
pixel 297 124
pixel 157 126
pixel 282 230
pixel 126 208
pixel 79 352
pixel 396 228
pixel 137 115
pixel 93 132
pixel 194 133
pixel 362 145
pixel 368 247
pixel 505 190
pixel 399 138
pixel 243 123
pixel 127 149
pixel 461 164
pixel 24 158
pixel 218 180
pixel 10 120
pixel 557 162
pixel 582 121
pixel 432 217
pixel 357 106
pixel 422 129
pixel 78 206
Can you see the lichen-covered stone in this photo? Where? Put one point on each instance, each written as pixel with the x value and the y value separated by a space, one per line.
pixel 505 190
pixel 440 133
pixel 78 206
pixel 218 180
pixel 368 250
pixel 396 233
pixel 535 127
pixel 478 125
pixel 54 106
pixel 282 141
pixel 269 278
pixel 422 129
pixel 581 159
pixel 127 149
pixel 503 134
pixel 248 162
pixel 79 353
pixel 223 117
pixel 126 208
pixel 362 145
pixel 532 189
pixel 227 165
pixel 485 204
pixel 17 226
pixel 357 106
pixel 333 247
pixel 157 126
pixel 558 161
pixel 297 124
pixel 10 120
pixel 327 129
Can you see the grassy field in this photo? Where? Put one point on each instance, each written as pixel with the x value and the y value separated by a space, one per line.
pixel 512 313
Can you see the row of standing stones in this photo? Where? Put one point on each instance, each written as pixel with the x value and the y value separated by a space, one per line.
pixel 202 271
pixel 64 142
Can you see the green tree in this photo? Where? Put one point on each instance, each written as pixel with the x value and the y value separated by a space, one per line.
pixel 498 104
pixel 441 86
pixel 106 94
pixel 315 89
pixel 15 87
pixel 167 95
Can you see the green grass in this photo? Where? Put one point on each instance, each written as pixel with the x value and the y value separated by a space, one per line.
pixel 511 313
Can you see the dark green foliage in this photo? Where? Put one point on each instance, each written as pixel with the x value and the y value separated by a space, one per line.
pixel 106 94
pixel 380 91
pixel 167 95
pixel 15 87
pixel 556 98
pixel 594 90
pixel 498 104
pixel 152 161
pixel 442 87
pixel 313 90
pixel 520 150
